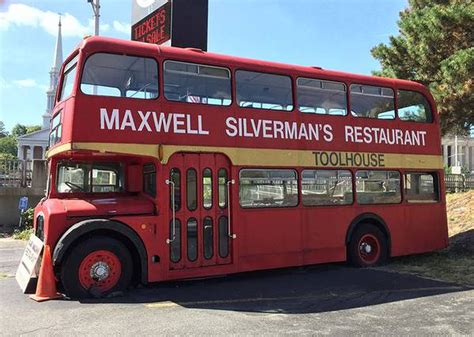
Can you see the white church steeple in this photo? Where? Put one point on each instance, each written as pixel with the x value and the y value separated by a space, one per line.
pixel 53 77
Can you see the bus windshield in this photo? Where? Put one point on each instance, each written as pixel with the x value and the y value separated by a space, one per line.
pixel 89 177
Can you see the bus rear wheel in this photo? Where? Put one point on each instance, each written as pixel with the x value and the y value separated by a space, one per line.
pixel 368 247
pixel 96 267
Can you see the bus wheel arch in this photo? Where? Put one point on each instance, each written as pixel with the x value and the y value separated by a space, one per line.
pixel 368 228
pixel 87 229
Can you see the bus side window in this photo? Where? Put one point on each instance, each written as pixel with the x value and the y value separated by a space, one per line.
pixel 197 83
pixel 372 102
pixel 263 91
pixel 421 187
pixel 413 106
pixel 149 180
pixel 268 188
pixel 378 187
pixel 326 187
pixel 321 97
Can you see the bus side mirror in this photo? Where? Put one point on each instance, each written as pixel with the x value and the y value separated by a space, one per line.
pixel 134 179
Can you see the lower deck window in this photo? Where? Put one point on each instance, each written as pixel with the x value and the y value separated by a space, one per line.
pixel 378 187
pixel 326 187
pixel 268 188
pixel 421 187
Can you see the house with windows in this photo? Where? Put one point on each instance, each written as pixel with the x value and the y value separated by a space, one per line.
pixel 465 151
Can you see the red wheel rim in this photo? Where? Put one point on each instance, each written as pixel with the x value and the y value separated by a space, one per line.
pixel 100 269
pixel 369 249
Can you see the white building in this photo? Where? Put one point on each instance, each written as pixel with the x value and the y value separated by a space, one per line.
pixel 465 153
pixel 34 145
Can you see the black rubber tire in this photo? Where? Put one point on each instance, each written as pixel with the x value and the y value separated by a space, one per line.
pixel 70 268
pixel 354 257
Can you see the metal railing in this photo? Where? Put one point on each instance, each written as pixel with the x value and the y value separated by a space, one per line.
pixel 459 182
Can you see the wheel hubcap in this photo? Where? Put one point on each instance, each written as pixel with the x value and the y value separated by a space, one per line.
pixel 369 249
pixel 100 269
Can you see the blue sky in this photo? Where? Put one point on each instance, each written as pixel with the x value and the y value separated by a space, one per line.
pixel 333 34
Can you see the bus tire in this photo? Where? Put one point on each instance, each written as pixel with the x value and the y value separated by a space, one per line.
pixel 367 247
pixel 96 267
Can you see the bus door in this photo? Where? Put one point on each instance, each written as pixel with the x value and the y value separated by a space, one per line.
pixel 198 192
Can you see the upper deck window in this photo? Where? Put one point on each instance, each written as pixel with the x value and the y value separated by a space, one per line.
pixel 321 97
pixel 197 83
pixel 413 106
pixel 263 91
pixel 68 79
pixel 120 76
pixel 372 102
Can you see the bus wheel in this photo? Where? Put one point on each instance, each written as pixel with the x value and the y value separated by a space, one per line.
pixel 368 246
pixel 96 267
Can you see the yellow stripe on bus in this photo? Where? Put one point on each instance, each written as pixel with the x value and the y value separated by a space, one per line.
pixel 271 157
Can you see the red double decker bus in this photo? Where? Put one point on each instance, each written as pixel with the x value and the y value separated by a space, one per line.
pixel 168 163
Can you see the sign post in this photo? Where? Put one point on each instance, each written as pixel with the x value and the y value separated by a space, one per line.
pixel 22 206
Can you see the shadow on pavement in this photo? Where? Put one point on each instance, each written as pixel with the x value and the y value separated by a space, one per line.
pixel 312 289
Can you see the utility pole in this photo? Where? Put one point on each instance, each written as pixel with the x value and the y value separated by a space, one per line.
pixel 456 150
pixel 96 9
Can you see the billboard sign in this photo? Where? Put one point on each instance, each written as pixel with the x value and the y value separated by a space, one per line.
pixel 155 27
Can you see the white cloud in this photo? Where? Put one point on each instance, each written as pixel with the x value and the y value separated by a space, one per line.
pixel 122 27
pixel 25 83
pixel 24 15
pixel 29 82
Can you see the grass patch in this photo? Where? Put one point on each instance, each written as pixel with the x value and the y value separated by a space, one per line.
pixel 442 265
pixel 23 235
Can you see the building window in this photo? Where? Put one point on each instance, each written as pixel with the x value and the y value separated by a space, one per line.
pixel 321 97
pixel 378 187
pixel 326 187
pixel 372 102
pixel 268 188
pixel 263 91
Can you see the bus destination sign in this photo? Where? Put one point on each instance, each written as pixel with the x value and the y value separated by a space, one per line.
pixel 155 27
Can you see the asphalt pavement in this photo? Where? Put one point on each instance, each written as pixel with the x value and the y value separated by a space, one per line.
pixel 319 300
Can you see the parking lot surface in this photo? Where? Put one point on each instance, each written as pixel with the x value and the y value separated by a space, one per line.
pixel 318 300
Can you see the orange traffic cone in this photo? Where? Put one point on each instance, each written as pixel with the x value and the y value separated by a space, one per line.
pixel 46 288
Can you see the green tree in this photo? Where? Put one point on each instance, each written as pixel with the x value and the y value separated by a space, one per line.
pixel 32 128
pixel 436 47
pixel 19 130
pixel 8 146
pixel 3 131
